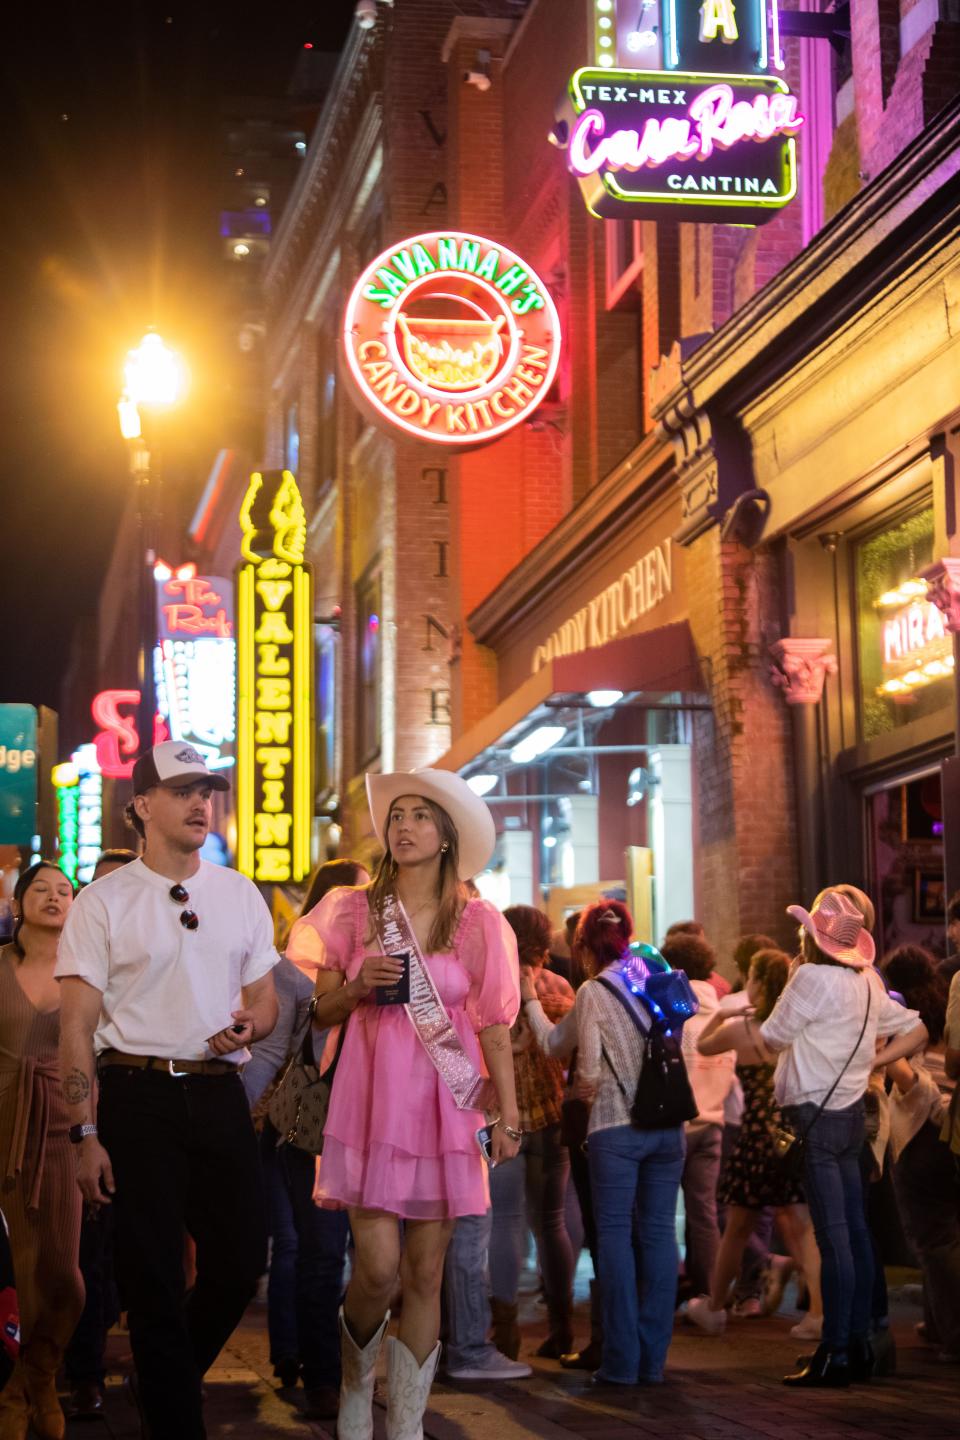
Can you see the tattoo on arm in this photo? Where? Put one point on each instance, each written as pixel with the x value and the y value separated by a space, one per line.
pixel 76 1087
pixel 499 1042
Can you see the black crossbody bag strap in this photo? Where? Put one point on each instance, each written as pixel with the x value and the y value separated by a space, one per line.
pixel 612 989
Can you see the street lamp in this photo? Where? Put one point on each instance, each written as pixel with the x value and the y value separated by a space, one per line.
pixel 154 382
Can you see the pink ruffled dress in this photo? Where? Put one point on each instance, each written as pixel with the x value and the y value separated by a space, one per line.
pixel 394 1139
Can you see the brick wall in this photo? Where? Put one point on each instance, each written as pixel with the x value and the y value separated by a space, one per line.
pixel 743 755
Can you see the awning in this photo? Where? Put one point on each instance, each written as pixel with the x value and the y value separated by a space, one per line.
pixel 648 667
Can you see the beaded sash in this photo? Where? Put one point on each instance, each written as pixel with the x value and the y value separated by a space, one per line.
pixel 429 1018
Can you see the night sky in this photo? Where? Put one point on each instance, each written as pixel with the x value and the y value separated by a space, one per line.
pixel 110 150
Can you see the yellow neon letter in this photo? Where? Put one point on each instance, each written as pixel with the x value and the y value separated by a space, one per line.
pixel 717 18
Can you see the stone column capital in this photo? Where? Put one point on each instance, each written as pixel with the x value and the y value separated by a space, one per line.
pixel 800 668
pixel 943 590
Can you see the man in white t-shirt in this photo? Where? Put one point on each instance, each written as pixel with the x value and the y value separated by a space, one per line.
pixel 165 974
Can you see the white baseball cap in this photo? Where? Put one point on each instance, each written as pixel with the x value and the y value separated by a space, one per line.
pixel 173 762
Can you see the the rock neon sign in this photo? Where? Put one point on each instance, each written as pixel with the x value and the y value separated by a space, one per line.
pixel 718 146
pixel 451 337
pixel 274 684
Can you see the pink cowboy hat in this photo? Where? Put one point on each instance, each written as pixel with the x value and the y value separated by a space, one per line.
pixel 837 927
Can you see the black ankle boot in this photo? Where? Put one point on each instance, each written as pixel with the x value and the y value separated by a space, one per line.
pixel 823 1371
pixel 862 1360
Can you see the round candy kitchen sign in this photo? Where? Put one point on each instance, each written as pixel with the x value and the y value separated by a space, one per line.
pixel 451 337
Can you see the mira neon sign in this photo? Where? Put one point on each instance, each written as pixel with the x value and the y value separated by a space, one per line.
pixel 707 127
pixel 451 338
pixel 274 684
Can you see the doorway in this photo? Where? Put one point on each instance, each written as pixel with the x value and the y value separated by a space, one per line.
pixel 905 859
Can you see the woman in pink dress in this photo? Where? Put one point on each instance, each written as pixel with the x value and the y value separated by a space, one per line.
pixel 400 1141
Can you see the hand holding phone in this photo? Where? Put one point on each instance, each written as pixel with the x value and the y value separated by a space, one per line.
pixel 485 1141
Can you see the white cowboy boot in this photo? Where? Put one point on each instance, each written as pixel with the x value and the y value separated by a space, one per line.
pixel 358 1374
pixel 408 1388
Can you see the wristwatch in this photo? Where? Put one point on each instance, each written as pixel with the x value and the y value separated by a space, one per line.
pixel 80 1132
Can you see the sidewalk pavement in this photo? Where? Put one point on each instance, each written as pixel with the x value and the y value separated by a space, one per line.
pixel 717 1389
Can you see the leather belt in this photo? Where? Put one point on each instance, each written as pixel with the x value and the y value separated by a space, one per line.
pixel 163 1066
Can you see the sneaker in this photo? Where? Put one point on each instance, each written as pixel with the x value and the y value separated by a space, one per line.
pixel 748 1309
pixel 775 1282
pixel 809 1328
pixel 490 1366
pixel 711 1322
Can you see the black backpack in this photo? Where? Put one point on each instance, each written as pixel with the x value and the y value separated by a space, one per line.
pixel 663 1097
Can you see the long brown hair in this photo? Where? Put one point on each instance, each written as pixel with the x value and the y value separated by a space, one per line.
pixel 23 884
pixel 451 894
pixel 771 970
pixel 331 875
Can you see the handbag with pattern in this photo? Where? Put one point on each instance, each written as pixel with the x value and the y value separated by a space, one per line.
pixel 297 1108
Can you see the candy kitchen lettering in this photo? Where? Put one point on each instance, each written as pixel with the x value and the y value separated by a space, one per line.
pixel 614 610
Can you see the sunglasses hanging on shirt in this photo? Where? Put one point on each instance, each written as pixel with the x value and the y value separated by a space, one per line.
pixel 189 919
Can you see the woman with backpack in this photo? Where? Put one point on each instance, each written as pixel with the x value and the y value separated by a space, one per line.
pixel 634 1172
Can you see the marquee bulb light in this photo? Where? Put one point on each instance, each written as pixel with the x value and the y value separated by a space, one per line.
pixel 536 743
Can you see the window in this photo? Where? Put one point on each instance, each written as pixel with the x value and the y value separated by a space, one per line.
pixel 326 406
pixel 368 666
pixel 291 438
pixel 624 260
pixel 905 652
pixel 327 642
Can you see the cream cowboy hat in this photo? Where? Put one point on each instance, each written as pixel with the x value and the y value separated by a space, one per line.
pixel 476 832
pixel 837 927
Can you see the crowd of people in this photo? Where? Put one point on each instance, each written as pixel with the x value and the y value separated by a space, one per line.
pixel 470 1080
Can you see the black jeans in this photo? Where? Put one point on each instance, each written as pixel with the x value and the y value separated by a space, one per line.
pixel 184 1158
pixel 306 1265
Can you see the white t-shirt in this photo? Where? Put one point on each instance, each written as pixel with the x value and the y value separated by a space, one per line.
pixel 818 1018
pixel 167 989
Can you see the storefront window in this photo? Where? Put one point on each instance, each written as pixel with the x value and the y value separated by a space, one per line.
pixel 906 655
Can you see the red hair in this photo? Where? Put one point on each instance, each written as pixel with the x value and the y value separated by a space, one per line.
pixel 603 933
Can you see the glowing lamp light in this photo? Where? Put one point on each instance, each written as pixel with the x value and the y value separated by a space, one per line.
pixel 549 841
pixel 153 373
pixel 601 699
pixel 536 743
pixel 606 61
pixel 482 784
pixel 910 590
pixel 65 774
pixel 129 419
pixel 240 250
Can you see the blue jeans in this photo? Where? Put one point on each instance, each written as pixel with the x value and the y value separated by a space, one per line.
pixel 635 1176
pixel 306 1265
pixel 466 1303
pixel 531 1190
pixel 831 1180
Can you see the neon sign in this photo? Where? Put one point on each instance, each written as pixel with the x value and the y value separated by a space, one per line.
pixel 274 684
pixel 452 338
pixel 116 742
pixel 199 606
pixel 196 661
pixel 66 782
pixel 917 648
pixel 704 127
pixel 717 146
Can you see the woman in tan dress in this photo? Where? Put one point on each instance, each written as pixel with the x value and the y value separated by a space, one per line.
pixel 39 1194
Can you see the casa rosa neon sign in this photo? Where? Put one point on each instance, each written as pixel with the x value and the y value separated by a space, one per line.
pixel 451 337
pixel 721 147
pixel 715 120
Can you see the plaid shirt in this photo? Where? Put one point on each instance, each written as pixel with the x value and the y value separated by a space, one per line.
pixel 540 1080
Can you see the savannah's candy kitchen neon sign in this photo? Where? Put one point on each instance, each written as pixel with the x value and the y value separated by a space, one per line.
pixel 451 338
pixel 709 134
pixel 274 683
